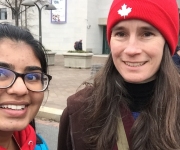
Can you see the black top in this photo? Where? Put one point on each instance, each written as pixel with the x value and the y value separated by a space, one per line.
pixel 139 95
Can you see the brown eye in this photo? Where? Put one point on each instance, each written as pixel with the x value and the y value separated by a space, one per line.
pixel 120 34
pixel 147 34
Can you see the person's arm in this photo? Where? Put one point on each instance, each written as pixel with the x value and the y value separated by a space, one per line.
pixel 64 138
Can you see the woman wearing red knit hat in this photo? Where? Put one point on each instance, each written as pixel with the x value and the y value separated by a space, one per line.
pixel 134 101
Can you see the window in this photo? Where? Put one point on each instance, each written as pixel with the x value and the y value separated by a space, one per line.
pixel 3 13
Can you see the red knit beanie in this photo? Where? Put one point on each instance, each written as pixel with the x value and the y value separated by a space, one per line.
pixel 162 14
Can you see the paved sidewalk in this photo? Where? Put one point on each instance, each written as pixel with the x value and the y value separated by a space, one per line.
pixel 64 83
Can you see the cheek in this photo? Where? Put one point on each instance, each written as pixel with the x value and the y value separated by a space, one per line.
pixel 158 46
pixel 116 48
pixel 36 101
pixel 37 98
pixel 2 90
pixel 157 51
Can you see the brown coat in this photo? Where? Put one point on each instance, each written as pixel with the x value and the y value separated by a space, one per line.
pixel 71 123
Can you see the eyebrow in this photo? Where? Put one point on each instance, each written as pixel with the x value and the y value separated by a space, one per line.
pixel 32 68
pixel 6 65
pixel 118 28
pixel 27 68
pixel 147 28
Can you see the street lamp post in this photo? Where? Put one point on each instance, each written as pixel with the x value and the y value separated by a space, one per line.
pixel 48 7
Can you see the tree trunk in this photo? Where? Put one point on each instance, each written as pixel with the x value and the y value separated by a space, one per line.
pixel 16 19
pixel 16 12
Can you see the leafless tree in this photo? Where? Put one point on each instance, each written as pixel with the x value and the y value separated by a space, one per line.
pixel 15 6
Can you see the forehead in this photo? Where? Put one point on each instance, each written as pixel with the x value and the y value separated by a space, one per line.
pixel 17 53
pixel 132 23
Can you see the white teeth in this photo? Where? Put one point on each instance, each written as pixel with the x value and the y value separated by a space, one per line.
pixel 14 107
pixel 134 64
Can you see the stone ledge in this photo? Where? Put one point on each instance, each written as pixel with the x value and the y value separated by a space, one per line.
pixel 78 54
pixel 50 113
pixel 77 60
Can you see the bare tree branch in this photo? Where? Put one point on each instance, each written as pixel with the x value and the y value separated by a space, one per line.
pixel 15 6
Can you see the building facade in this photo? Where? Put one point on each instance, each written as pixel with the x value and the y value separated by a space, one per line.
pixel 84 20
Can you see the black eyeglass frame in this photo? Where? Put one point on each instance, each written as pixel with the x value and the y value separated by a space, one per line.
pixel 22 75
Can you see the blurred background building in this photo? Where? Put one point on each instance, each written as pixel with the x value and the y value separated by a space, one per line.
pixel 73 20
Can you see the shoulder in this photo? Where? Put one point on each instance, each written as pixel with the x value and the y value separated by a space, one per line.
pixel 77 100
pixel 72 113
pixel 76 103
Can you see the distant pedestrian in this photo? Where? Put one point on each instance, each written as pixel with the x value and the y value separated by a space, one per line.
pixel 78 45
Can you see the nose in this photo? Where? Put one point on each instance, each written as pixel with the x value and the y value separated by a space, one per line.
pixel 133 46
pixel 18 87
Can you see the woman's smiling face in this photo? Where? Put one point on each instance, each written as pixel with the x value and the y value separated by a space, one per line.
pixel 18 56
pixel 137 49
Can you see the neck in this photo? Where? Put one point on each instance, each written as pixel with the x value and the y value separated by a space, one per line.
pixel 5 139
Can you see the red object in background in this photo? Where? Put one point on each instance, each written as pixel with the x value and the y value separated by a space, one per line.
pixel 179 21
pixel 179 24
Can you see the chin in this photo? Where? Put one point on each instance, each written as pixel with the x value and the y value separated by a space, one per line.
pixel 139 81
pixel 135 80
pixel 13 126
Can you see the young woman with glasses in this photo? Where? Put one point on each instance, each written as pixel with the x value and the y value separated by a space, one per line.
pixel 23 80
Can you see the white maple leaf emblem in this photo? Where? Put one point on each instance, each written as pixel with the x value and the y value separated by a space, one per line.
pixel 124 11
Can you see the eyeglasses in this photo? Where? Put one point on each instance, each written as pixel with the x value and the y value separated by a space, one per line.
pixel 34 81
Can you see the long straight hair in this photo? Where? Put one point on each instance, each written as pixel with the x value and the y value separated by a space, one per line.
pixel 157 127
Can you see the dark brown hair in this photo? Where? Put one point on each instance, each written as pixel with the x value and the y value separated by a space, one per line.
pixel 156 128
